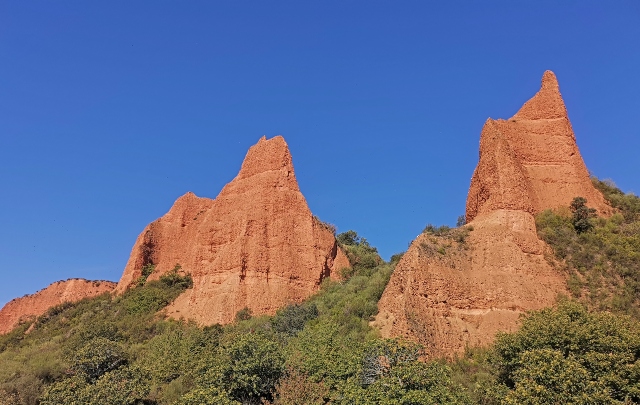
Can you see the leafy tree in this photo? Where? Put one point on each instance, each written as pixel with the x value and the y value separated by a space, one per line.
pixel 97 357
pixel 124 386
pixel 206 396
pixel 246 365
pixel 568 355
pixel 348 238
pixel 69 391
pixel 291 319
pixel 392 374
pixel 582 215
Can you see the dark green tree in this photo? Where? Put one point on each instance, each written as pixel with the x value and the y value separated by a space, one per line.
pixel 582 215
pixel 567 355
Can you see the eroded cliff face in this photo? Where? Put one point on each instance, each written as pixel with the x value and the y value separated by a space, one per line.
pixel 256 245
pixel 531 161
pixel 34 305
pixel 449 294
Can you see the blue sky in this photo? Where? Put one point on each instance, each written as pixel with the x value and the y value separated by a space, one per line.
pixel 109 111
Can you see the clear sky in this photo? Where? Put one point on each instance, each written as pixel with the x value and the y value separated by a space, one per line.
pixel 111 110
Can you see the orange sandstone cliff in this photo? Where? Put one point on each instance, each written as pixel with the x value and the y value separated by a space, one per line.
pixel 531 161
pixel 455 291
pixel 256 245
pixel 31 306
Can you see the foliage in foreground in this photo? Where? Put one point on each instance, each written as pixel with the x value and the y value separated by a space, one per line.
pixel 120 351
pixel 109 350
pixel 566 355
pixel 600 255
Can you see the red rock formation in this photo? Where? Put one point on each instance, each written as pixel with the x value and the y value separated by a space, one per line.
pixel 256 245
pixel 531 162
pixel 476 288
pixel 34 305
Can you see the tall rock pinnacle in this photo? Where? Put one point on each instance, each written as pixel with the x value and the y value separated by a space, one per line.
pixel 537 160
pixel 486 280
pixel 546 104
pixel 256 245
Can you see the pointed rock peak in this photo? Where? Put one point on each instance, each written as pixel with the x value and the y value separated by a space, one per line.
pixel 546 104
pixel 185 200
pixel 267 155
pixel 549 80
pixel 188 196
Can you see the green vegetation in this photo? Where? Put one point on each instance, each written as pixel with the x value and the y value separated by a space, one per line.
pixel 120 350
pixel 600 255
pixel 566 355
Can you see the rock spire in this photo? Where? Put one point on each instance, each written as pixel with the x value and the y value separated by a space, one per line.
pixel 486 280
pixel 255 245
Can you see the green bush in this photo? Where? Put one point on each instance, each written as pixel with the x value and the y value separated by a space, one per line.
pixel 206 396
pixel 97 357
pixel 601 256
pixel 173 278
pixel 146 272
pixel 582 215
pixel 243 315
pixel 570 356
pixel 291 319
pixel 390 373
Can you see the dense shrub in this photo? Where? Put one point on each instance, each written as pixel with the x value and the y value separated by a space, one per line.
pixel 291 319
pixel 582 215
pixel 97 357
pixel 570 356
pixel 361 255
pixel 601 255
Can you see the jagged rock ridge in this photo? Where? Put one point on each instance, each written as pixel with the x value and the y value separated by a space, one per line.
pixel 34 305
pixel 255 245
pixel 527 164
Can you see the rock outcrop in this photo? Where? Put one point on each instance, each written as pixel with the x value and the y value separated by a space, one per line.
pixel 34 305
pixel 531 161
pixel 455 291
pixel 256 245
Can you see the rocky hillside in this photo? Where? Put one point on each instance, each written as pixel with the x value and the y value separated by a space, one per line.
pixel 31 306
pixel 454 289
pixel 255 246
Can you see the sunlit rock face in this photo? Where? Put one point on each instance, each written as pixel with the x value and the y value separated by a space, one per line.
pixel 256 245
pixel 449 295
pixel 34 305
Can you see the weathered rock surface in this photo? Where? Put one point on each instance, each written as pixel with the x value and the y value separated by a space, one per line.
pixel 449 295
pixel 256 245
pixel 531 162
pixel 34 305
